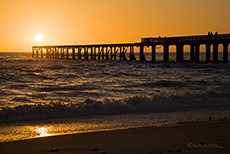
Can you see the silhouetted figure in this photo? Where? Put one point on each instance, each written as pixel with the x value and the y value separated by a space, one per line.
pixel 216 33
pixel 209 33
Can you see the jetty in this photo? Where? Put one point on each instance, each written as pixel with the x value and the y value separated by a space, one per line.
pixel 125 51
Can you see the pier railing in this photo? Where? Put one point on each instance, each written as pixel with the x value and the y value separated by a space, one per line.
pixel 187 39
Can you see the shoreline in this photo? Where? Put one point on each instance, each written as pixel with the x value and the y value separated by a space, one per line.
pixel 88 124
pixel 201 137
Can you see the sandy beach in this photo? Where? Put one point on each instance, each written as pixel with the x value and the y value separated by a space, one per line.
pixel 187 138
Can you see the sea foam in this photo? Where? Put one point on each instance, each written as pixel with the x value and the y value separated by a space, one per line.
pixel 158 102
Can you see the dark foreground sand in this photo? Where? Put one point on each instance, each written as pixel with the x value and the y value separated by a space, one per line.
pixel 190 138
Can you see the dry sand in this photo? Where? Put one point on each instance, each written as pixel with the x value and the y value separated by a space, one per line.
pixel 188 138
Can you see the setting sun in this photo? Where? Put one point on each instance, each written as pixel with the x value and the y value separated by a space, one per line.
pixel 39 37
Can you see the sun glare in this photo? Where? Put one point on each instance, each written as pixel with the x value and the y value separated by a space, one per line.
pixel 39 37
pixel 43 132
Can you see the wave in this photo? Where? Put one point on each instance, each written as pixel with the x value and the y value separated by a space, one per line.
pixel 158 102
pixel 164 83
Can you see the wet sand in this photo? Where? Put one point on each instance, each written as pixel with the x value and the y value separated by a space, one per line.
pixel 187 138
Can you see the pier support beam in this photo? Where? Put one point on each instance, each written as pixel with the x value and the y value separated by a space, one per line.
pixel 95 53
pixel 153 53
pixel 121 52
pixel 215 53
pixel 36 52
pixel 124 53
pixel 132 55
pixel 166 53
pixel 79 53
pixel 115 52
pixel 121 48
pixel 86 54
pixel 103 53
pixel 111 52
pixel 55 53
pixel 91 53
pixel 62 54
pixel 73 53
pixel 142 56
pixel 47 52
pixel 225 54
pixel 197 53
pixel 41 52
pixel 107 53
pixel 208 49
pixel 32 52
pixel 50 53
pixel 179 53
pixel 98 53
pixel 67 53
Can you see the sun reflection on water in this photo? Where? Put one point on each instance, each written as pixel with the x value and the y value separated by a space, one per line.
pixel 43 132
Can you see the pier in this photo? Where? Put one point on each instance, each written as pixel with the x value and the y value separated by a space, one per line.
pixel 125 51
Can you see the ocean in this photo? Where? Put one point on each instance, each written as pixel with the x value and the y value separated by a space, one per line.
pixel 43 97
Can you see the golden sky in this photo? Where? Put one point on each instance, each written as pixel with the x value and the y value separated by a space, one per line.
pixel 106 21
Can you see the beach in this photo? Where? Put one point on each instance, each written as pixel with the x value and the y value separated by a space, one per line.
pixel 207 137
pixel 115 107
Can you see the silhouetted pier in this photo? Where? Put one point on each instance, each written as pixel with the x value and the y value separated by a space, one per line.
pixel 125 51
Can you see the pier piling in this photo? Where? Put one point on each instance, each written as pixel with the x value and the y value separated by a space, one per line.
pixel 179 53
pixel 225 54
pixel 197 53
pixel 215 53
pixel 192 52
pixel 208 51
pixel 153 53
pixel 142 56
pixel 166 53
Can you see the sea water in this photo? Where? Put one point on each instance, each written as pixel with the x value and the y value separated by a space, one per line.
pixel 42 97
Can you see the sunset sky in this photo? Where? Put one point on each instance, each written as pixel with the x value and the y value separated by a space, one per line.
pixel 106 21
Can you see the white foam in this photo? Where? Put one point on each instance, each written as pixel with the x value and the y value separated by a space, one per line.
pixel 208 98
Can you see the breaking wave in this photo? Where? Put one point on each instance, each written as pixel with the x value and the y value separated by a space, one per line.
pixel 158 102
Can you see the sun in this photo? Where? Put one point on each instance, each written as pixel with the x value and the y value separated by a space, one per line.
pixel 39 37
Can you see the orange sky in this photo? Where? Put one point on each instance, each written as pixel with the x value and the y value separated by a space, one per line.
pixel 106 21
